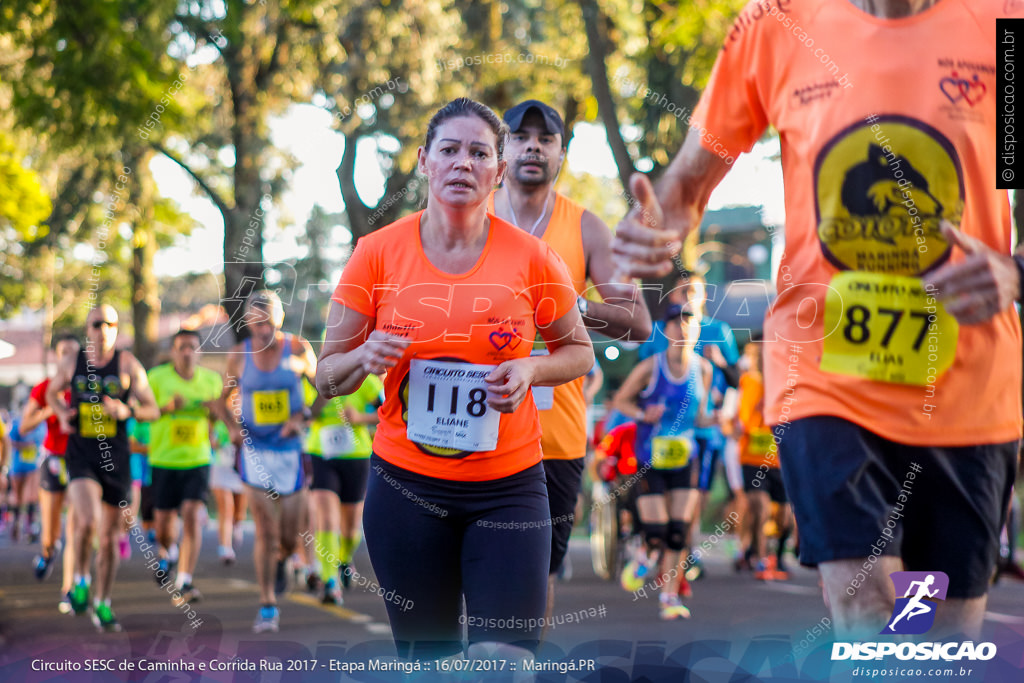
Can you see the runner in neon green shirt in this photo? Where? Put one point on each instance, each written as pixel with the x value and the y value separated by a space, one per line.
pixel 340 443
pixel 179 456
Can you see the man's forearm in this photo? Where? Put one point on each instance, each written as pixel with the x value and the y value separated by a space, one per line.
pixel 623 320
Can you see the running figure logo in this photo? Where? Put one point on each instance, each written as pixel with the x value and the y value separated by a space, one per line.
pixel 914 613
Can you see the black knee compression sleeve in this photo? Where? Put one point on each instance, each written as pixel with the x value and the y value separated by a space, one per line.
pixel 655 534
pixel 677 533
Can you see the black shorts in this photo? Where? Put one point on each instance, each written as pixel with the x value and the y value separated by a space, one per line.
pixel 658 482
pixel 857 495
pixel 113 473
pixel 53 474
pixel 767 479
pixel 433 541
pixel 146 502
pixel 344 476
pixel 172 487
pixel 563 482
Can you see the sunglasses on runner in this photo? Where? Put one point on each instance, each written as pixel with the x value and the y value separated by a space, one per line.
pixel 97 324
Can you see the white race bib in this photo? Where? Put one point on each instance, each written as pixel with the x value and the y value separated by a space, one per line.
pixel 336 440
pixel 448 406
pixel 544 397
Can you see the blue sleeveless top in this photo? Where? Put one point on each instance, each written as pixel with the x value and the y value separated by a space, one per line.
pixel 269 399
pixel 682 399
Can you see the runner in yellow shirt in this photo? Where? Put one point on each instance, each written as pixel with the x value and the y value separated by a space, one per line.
pixel 179 455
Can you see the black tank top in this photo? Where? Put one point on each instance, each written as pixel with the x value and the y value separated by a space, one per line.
pixel 92 426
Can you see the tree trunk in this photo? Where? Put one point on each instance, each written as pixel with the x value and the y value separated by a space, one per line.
pixel 145 296
pixel 362 219
pixel 243 222
pixel 602 90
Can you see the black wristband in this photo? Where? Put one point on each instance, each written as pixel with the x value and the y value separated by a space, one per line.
pixel 1018 259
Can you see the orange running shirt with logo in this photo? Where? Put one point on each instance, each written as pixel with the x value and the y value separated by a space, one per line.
pixel 564 425
pixel 756 447
pixel 887 127
pixel 486 315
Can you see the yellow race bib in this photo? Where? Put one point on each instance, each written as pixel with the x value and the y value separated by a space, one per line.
pixel 886 328
pixel 270 407
pixel 186 432
pixel 27 456
pixel 760 442
pixel 670 452
pixel 94 423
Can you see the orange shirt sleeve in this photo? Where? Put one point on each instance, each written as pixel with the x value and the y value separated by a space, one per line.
pixel 731 115
pixel 355 288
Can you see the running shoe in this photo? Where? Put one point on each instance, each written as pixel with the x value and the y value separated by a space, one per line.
pixel 768 570
pixel 268 619
pixel 33 533
pixel 670 608
pixel 151 536
pixel 633 576
pixel 124 547
pixel 162 566
pixel 79 598
pixel 743 561
pixel 43 566
pixel 226 554
pixel 345 570
pixel 313 582
pixel 330 593
pixel 565 571
pixel 64 606
pixel 104 619
pixel 281 578
pixel 189 594
pixel 685 591
pixel 695 572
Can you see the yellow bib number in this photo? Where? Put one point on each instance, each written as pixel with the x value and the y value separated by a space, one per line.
pixel 761 442
pixel 886 328
pixel 670 452
pixel 94 423
pixel 185 433
pixel 27 456
pixel 270 407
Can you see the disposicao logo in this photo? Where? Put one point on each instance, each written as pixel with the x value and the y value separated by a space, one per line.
pixel 917 594
pixel 914 613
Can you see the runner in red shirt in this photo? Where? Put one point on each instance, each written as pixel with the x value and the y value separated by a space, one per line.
pixel 53 478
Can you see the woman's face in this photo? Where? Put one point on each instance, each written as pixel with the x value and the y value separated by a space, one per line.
pixel 462 165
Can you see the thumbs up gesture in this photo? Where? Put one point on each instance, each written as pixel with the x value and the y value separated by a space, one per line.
pixel 644 244
pixel 977 288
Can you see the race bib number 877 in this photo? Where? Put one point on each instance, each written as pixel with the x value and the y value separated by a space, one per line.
pixel 886 328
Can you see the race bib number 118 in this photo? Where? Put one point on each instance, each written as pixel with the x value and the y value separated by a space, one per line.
pixel 448 406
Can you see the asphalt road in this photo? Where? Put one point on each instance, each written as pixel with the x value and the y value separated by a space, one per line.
pixel 740 630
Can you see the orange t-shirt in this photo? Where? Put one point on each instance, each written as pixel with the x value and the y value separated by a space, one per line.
pixel 755 436
pixel 564 425
pixel 887 126
pixel 484 316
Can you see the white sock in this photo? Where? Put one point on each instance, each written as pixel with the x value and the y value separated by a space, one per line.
pixel 183 579
pixel 172 553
